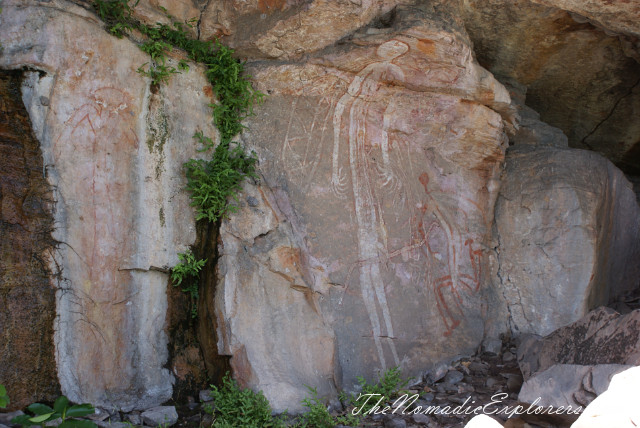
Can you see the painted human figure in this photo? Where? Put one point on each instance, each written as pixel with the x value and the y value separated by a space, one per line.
pixel 102 131
pixel 452 259
pixel 368 178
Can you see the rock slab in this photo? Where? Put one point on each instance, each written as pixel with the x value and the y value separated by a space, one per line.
pixel 602 337
pixel 569 232
pixel 113 151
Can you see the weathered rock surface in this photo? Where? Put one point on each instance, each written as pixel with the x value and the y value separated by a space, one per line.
pixel 569 229
pixel 580 78
pixel 160 416
pixel 619 16
pixel 382 159
pixel 27 299
pixel 601 337
pixel 370 241
pixel 564 385
pixel 114 151
pixel 268 319
pixel 617 407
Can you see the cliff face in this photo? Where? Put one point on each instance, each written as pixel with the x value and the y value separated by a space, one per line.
pixel 392 225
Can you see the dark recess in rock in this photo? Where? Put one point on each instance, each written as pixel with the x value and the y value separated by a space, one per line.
pixel 27 299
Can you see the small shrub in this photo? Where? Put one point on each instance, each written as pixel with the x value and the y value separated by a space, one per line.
pixel 188 269
pixel 213 182
pixel 42 414
pixel 4 398
pixel 317 415
pixel 236 407
pixel 117 15
pixel 388 386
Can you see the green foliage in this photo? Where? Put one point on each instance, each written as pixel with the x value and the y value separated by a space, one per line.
pixel 234 92
pixel 42 414
pixel 317 415
pixel 388 386
pixel 188 268
pixel 213 182
pixel 117 15
pixel 159 73
pixel 236 407
pixel 4 398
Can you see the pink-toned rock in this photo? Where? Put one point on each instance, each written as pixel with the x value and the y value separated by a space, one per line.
pixel 287 28
pixel 381 160
pixel 113 152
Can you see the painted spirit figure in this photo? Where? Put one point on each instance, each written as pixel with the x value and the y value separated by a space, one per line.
pixel 367 178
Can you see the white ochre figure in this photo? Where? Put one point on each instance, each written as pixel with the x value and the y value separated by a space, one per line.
pixel 366 178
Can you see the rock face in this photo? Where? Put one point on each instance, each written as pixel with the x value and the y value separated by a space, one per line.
pixel 370 240
pixel 618 15
pixel 381 158
pixel 569 228
pixel 114 151
pixel 27 299
pixel 580 78
pixel 601 337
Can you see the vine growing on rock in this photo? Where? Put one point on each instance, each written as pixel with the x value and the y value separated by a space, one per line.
pixel 211 182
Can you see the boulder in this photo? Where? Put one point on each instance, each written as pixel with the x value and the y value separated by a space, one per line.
pixel 164 416
pixel 617 406
pixel 568 385
pixel 368 248
pixel 569 236
pixel 601 337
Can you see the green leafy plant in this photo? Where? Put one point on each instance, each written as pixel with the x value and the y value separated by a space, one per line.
pixel 42 414
pixel 117 14
pixel 388 386
pixel 317 414
pixel 4 398
pixel 237 407
pixel 159 73
pixel 213 182
pixel 233 90
pixel 188 269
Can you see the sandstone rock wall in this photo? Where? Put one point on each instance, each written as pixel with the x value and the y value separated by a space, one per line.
pixel 581 78
pixel 114 150
pixel 382 157
pixel 374 237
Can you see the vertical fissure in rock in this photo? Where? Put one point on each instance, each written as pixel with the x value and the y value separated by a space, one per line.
pixel 217 365
pixel 193 350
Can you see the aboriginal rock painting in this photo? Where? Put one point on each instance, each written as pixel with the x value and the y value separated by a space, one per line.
pixel 95 150
pixel 378 164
